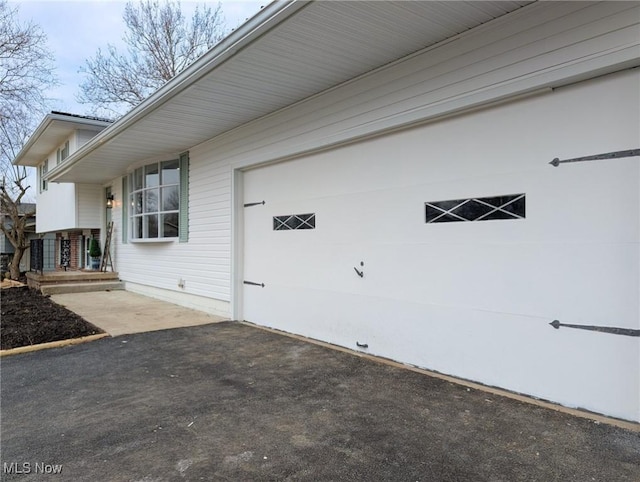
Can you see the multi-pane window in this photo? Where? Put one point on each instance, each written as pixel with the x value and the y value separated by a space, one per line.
pixel 63 153
pixel 44 168
pixel 154 198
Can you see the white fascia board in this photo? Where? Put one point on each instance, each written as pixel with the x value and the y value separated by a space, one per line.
pixel 265 20
pixel 32 140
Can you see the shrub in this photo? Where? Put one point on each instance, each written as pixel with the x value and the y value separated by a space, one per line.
pixel 94 248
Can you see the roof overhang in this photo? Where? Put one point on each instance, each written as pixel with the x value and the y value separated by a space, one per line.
pixel 54 129
pixel 289 51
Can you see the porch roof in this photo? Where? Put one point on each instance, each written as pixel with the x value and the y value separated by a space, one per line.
pixel 289 51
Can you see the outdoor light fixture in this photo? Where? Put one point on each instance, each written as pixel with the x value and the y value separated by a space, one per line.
pixel 110 201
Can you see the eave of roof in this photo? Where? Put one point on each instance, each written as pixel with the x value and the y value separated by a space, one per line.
pixel 251 30
pixel 51 132
pixel 288 52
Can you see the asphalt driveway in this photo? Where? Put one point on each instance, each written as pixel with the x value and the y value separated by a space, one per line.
pixel 228 401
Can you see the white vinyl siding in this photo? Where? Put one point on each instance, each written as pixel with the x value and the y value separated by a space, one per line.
pixel 203 263
pixel 66 206
pixel 90 205
pixel 82 137
pixel 73 143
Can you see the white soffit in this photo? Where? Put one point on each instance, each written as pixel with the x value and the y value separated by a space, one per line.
pixel 319 46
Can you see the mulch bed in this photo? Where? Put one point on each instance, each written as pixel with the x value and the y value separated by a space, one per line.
pixel 30 318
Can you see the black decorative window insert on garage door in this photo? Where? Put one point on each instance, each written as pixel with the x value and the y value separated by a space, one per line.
pixel 294 221
pixel 510 206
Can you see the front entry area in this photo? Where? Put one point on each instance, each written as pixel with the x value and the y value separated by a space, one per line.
pixel 453 246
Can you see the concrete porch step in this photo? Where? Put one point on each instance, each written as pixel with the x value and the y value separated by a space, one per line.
pixel 56 277
pixel 64 288
pixel 60 282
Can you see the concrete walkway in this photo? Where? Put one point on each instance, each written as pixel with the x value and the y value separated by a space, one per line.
pixel 123 312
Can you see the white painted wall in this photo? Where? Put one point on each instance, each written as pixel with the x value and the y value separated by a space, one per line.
pixel 65 206
pixel 56 207
pixel 472 300
pixel 203 264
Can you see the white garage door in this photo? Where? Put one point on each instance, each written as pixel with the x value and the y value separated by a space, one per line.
pixel 452 246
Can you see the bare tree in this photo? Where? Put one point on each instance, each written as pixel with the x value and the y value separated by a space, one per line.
pixel 15 211
pixel 26 65
pixel 160 44
pixel 26 72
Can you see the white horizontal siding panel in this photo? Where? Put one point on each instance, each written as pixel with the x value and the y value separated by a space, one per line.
pixel 146 265
pixel 215 242
pixel 218 185
pixel 82 137
pixel 90 203
pixel 214 212
pixel 218 178
pixel 209 213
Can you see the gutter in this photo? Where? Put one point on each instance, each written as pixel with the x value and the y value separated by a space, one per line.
pixel 257 26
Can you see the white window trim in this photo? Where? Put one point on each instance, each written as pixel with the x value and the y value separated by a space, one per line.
pixel 62 153
pixel 43 184
pixel 132 215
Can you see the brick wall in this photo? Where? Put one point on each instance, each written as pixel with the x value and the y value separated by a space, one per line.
pixel 77 249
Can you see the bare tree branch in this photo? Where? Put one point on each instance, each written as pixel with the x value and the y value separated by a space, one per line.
pixel 26 72
pixel 161 43
pixel 26 65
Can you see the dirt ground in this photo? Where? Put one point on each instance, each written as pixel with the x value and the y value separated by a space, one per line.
pixel 29 318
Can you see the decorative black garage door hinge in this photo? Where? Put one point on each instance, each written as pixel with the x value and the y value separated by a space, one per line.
pixel 248 205
pixel 254 284
pixel 604 329
pixel 597 157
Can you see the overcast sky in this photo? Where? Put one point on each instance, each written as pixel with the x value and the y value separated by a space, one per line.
pixel 75 30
